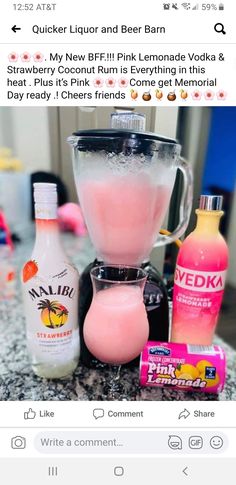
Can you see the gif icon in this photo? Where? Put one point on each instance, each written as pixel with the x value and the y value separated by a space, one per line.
pixel 195 442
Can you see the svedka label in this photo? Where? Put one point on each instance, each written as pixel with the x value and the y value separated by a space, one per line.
pixel 195 280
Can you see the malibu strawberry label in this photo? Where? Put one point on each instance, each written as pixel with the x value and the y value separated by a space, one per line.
pixel 51 303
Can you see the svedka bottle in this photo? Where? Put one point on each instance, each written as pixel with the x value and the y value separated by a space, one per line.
pixel 50 290
pixel 200 277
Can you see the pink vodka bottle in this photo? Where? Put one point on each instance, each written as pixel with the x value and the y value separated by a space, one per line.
pixel 200 277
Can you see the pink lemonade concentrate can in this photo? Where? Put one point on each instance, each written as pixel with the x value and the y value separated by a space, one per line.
pixel 183 367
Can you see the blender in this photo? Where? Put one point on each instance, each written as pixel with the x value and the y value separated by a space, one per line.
pixel 124 181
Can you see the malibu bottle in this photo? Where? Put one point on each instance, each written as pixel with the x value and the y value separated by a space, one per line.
pixel 50 290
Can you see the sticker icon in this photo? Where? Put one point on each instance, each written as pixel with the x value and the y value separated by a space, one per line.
pixel 175 442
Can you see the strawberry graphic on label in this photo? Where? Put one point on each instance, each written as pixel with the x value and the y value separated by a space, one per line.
pixel 30 269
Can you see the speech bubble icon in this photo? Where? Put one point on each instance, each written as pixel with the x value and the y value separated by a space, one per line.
pixel 175 442
pixel 98 413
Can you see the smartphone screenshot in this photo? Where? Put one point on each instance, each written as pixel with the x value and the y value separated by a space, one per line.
pixel 117 242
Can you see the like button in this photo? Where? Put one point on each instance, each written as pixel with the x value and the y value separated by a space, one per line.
pixel 30 414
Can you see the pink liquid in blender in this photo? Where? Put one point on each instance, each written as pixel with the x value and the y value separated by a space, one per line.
pixel 124 215
pixel 116 326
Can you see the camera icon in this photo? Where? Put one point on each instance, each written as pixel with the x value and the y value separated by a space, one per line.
pixel 18 443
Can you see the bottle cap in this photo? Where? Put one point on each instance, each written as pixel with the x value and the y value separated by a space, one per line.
pixel 128 120
pixel 45 193
pixel 211 202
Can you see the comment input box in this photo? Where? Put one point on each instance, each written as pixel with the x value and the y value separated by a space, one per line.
pixel 129 442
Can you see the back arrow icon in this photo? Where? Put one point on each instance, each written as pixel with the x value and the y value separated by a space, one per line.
pixel 185 471
pixel 15 28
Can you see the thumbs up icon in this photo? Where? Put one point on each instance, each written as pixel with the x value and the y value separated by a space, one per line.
pixel 30 414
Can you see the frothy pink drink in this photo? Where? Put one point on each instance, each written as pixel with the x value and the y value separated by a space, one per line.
pixel 124 215
pixel 116 326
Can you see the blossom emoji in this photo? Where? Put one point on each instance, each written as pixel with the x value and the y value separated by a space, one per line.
pixel 98 82
pixel 25 57
pixel 38 57
pixel 123 82
pixel 209 95
pixel 196 95
pixel 110 82
pixel 221 95
pixel 13 57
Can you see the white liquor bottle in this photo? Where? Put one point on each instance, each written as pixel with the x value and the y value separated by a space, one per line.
pixel 50 290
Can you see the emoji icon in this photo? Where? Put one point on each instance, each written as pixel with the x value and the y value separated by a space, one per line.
pixel 110 82
pixel 196 95
pixel 209 95
pixel 38 57
pixel 216 442
pixel 123 82
pixel 171 96
pixel 159 94
pixel 13 57
pixel 134 94
pixel 221 95
pixel 25 57
pixel 146 96
pixel 183 94
pixel 98 82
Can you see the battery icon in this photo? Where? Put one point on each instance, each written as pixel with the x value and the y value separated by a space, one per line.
pixel 221 6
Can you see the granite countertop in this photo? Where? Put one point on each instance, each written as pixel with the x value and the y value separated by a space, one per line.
pixel 17 381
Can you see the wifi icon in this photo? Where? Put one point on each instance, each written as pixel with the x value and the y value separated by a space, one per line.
pixel 187 6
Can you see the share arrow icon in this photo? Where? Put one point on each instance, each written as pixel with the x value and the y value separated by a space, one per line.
pixel 184 414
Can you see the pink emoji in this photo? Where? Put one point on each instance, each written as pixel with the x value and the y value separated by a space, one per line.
pixel 13 57
pixel 110 82
pixel 196 95
pixel 123 82
pixel 209 95
pixel 38 57
pixel 221 95
pixel 98 82
pixel 25 57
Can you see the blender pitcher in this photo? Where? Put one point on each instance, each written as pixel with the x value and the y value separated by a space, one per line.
pixel 124 181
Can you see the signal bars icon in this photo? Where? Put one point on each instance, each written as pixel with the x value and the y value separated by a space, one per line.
pixel 196 7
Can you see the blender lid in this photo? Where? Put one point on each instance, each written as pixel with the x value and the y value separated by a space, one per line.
pixel 117 140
